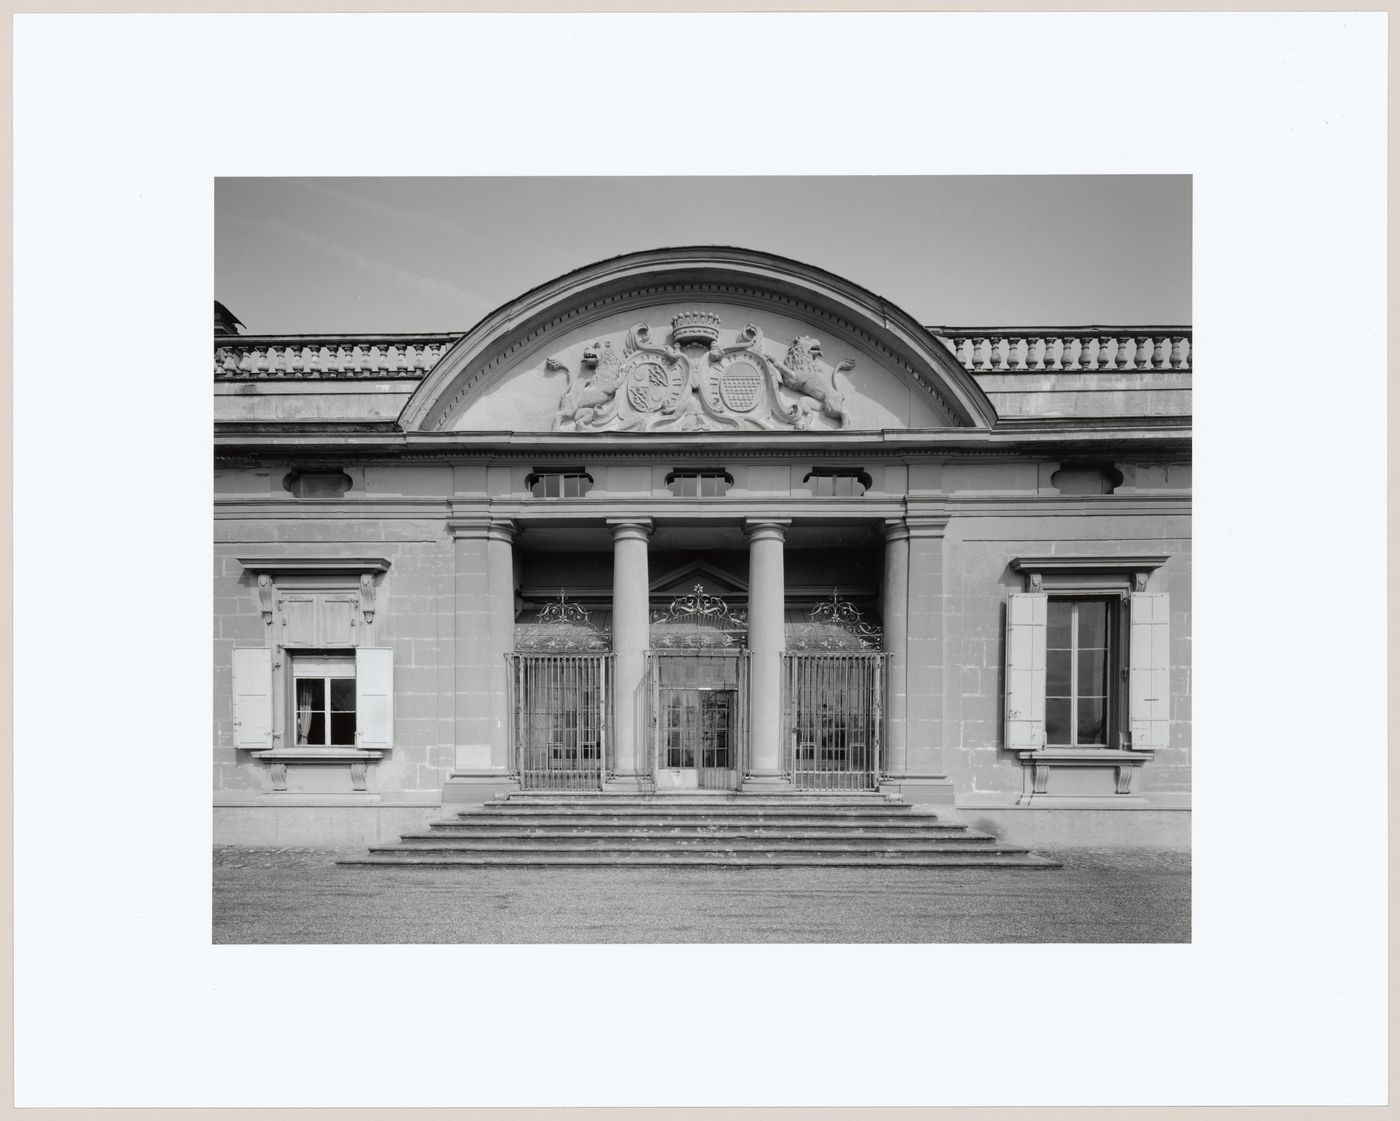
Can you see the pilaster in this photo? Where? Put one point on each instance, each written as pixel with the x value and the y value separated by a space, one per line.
pixel 925 774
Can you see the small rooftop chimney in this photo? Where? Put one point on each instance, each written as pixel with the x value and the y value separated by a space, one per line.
pixel 225 322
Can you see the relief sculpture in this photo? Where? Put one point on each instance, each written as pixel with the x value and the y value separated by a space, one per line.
pixel 703 378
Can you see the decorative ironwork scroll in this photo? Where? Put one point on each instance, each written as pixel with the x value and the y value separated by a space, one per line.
pixel 698 620
pixel 562 625
pixel 835 624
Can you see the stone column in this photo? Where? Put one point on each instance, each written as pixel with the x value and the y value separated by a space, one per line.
pixel 500 576
pixel 631 637
pixel 894 606
pixel 767 597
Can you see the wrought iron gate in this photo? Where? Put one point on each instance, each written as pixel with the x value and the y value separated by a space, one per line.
pixel 561 719
pixel 832 713
pixel 699 701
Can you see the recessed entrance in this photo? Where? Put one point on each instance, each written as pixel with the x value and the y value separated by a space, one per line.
pixel 698 702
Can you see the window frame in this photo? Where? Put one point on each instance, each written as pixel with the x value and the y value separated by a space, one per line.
pixel 1116 669
pixel 329 656
pixel 564 475
pixel 698 474
pixel 831 475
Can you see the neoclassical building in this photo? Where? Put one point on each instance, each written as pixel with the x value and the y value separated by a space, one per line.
pixel 703 519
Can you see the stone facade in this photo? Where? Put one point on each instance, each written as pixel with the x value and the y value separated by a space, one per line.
pixel 393 514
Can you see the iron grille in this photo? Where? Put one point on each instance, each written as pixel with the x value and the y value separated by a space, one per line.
pixel 699 703
pixel 832 714
pixel 561 719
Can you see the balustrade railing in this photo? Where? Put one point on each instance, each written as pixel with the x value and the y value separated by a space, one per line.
pixel 990 350
pixel 300 356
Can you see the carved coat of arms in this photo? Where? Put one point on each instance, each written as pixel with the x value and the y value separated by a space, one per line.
pixel 696 381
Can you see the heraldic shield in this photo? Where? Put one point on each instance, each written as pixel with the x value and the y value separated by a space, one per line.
pixel 702 378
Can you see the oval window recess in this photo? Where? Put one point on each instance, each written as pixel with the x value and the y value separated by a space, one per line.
pixel 317 484
pixel 1087 478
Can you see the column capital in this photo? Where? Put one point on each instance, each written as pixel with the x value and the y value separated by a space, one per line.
pixel 895 529
pixel 760 529
pixel 630 528
pixel 502 530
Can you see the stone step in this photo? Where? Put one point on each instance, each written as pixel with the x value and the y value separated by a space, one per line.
pixel 420 842
pixel 951 859
pixel 697 810
pixel 688 798
pixel 690 829
pixel 807 821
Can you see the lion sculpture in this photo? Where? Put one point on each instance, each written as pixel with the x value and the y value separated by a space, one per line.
pixel 805 373
pixel 594 401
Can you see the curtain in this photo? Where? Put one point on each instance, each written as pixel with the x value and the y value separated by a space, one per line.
pixel 303 710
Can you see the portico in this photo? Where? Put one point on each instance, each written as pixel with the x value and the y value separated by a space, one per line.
pixel 713 659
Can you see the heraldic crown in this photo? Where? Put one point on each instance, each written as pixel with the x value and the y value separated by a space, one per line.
pixel 700 378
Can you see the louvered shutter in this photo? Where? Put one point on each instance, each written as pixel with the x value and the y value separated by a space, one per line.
pixel 374 697
pixel 252 698
pixel 1149 669
pixel 1025 671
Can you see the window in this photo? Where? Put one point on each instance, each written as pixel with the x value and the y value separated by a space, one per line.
pixel 323 692
pixel 559 482
pixel 699 483
pixel 1088 675
pixel 1080 685
pixel 830 482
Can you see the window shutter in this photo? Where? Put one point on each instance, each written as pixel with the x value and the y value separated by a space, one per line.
pixel 252 698
pixel 299 621
pixel 1149 670
pixel 1025 671
pixel 337 621
pixel 374 697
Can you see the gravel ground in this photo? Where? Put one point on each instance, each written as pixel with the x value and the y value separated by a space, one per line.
pixel 300 895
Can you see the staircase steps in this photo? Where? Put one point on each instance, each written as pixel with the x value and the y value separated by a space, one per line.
pixel 824 830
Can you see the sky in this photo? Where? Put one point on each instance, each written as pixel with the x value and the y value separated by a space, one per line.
pixel 298 256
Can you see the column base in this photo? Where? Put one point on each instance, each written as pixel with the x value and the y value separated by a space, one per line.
pixel 926 790
pixel 622 784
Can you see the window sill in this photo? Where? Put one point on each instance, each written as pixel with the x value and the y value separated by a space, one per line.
pixel 1104 756
pixel 317 755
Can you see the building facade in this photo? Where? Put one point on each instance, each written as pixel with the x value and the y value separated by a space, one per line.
pixel 703 519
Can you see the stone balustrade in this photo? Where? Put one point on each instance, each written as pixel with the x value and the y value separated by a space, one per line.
pixel 979 349
pixel 1087 349
pixel 302 356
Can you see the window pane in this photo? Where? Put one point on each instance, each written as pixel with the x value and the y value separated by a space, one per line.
pixel 343 694
pixel 1056 720
pixel 822 485
pixel 1093 624
pixel 343 729
pixel 1091 722
pixel 1092 679
pixel 1057 624
pixel 311 692
pixel 1057 673
pixel 310 705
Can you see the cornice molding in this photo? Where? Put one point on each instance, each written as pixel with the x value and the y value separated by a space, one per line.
pixel 313 565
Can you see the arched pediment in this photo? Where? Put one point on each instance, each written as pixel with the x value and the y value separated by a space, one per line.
pixel 697 339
